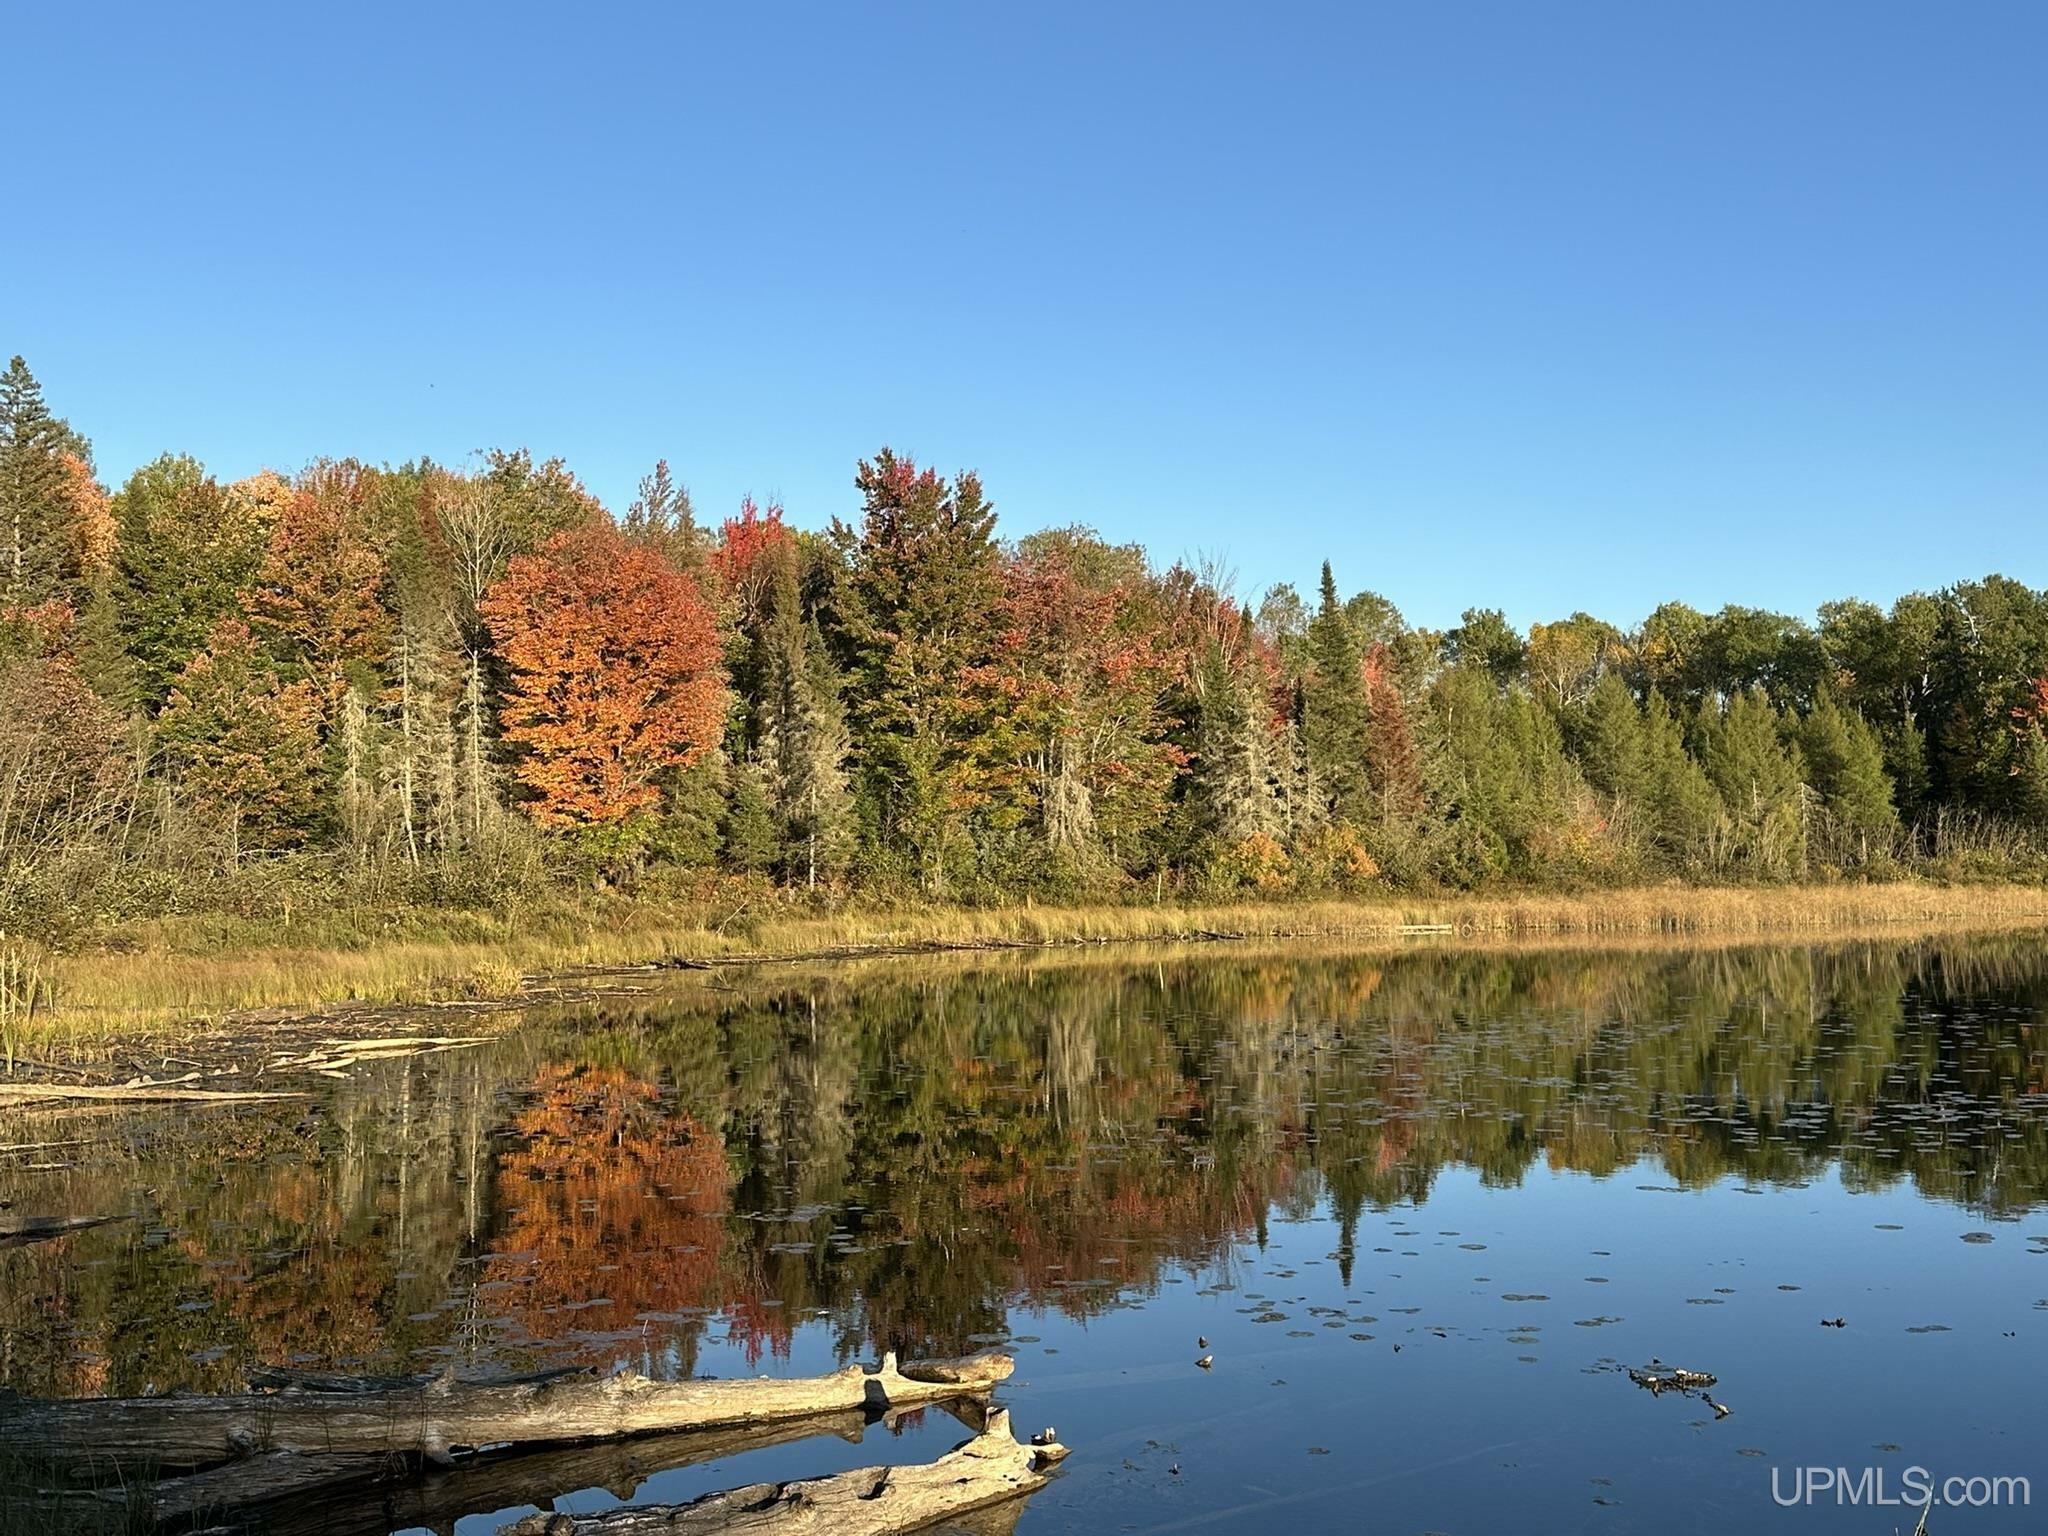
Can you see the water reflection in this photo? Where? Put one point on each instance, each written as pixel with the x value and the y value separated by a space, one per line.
pixel 910 1153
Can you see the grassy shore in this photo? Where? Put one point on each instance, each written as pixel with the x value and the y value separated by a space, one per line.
pixel 149 980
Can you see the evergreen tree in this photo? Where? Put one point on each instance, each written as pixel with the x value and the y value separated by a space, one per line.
pixel 1751 762
pixel 187 549
pixel 662 515
pixel 747 830
pixel 813 798
pixel 37 538
pixel 1845 765
pixel 1236 772
pixel 922 585
pixel 1684 808
pixel 1335 725
pixel 1610 742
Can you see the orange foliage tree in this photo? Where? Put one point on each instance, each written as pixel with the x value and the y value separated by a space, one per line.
pixel 614 657
pixel 319 593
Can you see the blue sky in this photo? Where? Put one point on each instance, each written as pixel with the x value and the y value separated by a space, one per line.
pixel 1546 307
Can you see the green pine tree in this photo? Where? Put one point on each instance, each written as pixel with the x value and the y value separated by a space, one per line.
pixel 1610 742
pixel 1753 764
pixel 1335 722
pixel 36 537
pixel 747 837
pixel 916 614
pixel 1845 765
pixel 1684 808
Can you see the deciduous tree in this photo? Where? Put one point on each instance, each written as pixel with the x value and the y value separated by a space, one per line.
pixel 614 684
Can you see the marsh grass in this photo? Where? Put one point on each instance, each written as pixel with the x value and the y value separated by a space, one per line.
pixel 155 980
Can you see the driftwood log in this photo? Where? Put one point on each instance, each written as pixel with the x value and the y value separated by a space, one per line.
pixel 284 1493
pixel 992 1468
pixel 433 1418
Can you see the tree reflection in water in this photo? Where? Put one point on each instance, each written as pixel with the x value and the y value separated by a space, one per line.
pixel 910 1153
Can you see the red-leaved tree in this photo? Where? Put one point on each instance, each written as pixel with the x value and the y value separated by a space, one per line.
pixel 615 678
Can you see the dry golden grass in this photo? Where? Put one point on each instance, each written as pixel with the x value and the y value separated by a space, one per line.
pixel 167 975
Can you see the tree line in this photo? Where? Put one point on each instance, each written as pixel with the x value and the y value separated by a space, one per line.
pixel 464 676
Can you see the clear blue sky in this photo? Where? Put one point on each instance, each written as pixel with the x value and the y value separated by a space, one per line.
pixel 1539 306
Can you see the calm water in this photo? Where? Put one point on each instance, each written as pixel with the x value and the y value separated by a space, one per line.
pixel 1426 1207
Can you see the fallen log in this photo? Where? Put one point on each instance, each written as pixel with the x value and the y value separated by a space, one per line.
pixel 137 1093
pixel 284 1493
pixel 992 1468
pixel 433 1418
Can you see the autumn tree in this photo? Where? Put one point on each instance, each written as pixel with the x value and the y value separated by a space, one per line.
pixel 318 600
pixel 1393 760
pixel 1076 691
pixel 614 684
pixel 67 777
pixel 1565 660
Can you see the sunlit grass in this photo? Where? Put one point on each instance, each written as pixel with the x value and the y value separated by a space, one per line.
pixel 170 975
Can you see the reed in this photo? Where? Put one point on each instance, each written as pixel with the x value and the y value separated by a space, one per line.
pixel 169 978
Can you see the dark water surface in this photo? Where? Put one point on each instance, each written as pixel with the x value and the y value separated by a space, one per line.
pixel 1427 1207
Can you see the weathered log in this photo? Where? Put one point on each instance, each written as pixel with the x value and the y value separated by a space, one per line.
pixel 433 1418
pixel 142 1093
pixel 992 1468
pixel 284 1493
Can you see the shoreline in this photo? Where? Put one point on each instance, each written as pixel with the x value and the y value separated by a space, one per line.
pixel 159 982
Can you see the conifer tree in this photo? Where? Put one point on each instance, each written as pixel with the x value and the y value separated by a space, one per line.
pixel 1845 765
pixel 813 797
pixel 1684 809
pixel 1610 742
pixel 747 829
pixel 1334 719
pixel 1236 768
pixel 38 536
pixel 1746 751
pixel 662 515
pixel 917 613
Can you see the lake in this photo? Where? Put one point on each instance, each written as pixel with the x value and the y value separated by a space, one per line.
pixel 1428 1207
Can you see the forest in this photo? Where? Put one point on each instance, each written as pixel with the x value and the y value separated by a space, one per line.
pixel 456 686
